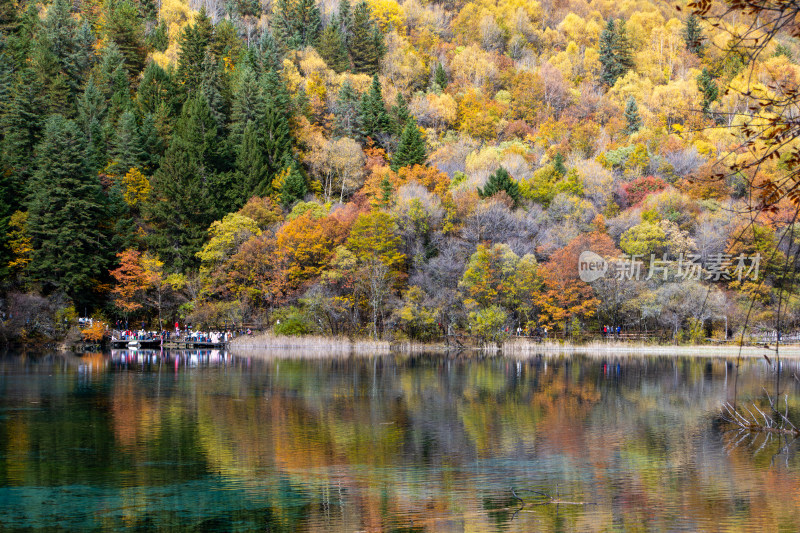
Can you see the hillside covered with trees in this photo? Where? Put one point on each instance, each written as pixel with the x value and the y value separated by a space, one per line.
pixel 387 169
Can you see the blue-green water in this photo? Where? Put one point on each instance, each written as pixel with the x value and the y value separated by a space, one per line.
pixel 205 441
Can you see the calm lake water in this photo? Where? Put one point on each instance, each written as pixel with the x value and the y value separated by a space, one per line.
pixel 206 441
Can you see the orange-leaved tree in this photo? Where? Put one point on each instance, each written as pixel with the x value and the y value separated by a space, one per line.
pixel 131 282
pixel 566 297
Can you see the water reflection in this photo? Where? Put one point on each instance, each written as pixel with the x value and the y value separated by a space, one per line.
pixel 209 440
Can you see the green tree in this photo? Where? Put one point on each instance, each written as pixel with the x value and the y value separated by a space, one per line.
pixel 616 53
pixel 500 181
pixel 22 126
pixel 332 49
pixel 269 52
pixel 693 35
pixel 632 118
pixel 276 133
pixel 365 42
pixel 125 26
pixel 373 118
pixel 294 187
pixel 708 89
pixel 57 50
pixel 558 164
pixel 253 173
pixel 186 189
pixel 214 89
pixel 375 243
pixel 411 150
pixel 400 114
pixel 347 110
pixel 65 212
pixel 127 151
pixel 440 76
pixel 297 23
pixel 194 41
pixel 247 106
pixel 156 90
pixel 488 324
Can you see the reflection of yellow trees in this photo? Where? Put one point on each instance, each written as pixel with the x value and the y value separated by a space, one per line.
pixel 499 419
pixel 17 445
pixel 327 433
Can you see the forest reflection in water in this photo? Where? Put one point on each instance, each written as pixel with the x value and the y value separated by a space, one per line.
pixel 212 441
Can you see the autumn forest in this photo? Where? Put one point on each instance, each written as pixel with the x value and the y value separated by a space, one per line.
pixel 390 169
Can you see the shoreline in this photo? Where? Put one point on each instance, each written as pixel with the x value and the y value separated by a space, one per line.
pixel 318 346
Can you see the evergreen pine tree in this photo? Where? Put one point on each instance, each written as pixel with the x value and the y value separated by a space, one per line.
pixel 632 118
pixel 623 48
pixel 346 115
pixel 708 89
pixel 60 100
pixel 213 88
pixel 247 104
pixel 127 151
pixel 65 210
pixel 6 77
pixel 252 173
pixel 158 38
pixel 20 41
pixel 297 23
pixel 558 164
pixel 608 63
pixel 183 200
pixel 400 114
pixel 113 82
pixel 270 53
pixel 500 181
pixel 57 47
pixel 386 191
pixel 83 56
pixel 7 183
pixel 332 49
pixel 196 132
pixel 294 188
pixel 373 118
pixel 365 43
pixel 125 26
pixel 783 50
pixel 345 20
pixel 152 144
pixel 411 150
pixel 22 125
pixel 440 76
pixel 277 145
pixel 616 52
pixel 8 16
pixel 275 129
pixel 194 41
pixel 693 35
pixel 92 109
pixel 155 89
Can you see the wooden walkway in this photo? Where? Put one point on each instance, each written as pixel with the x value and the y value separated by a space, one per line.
pixel 171 344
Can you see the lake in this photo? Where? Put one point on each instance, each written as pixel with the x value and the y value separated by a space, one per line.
pixel 209 441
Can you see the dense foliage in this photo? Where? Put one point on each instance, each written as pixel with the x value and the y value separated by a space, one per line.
pixel 388 168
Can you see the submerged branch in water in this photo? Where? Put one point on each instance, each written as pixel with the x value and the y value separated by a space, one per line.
pixel 550 500
pixel 781 425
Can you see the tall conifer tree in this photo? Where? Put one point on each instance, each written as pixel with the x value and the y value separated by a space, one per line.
pixel 185 188
pixel 365 42
pixel 411 150
pixel 65 210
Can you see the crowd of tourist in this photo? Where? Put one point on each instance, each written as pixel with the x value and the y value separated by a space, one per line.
pixel 179 335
